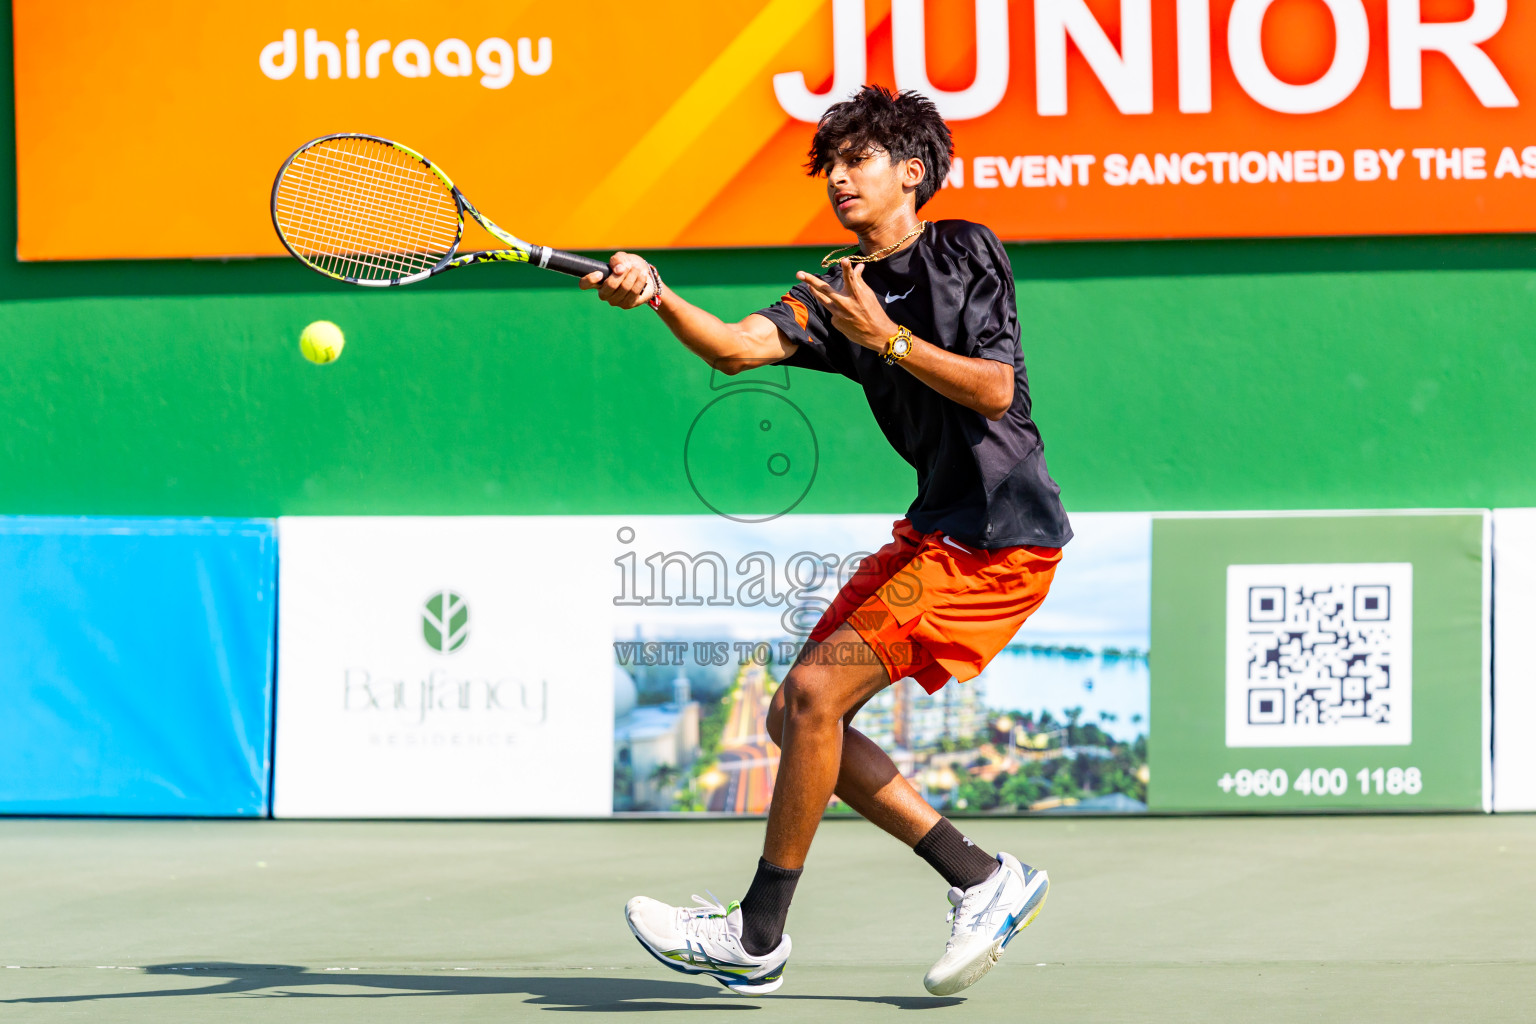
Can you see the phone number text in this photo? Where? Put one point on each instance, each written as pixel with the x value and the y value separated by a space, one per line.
pixel 1322 782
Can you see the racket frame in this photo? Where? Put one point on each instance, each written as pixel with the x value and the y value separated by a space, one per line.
pixel 517 251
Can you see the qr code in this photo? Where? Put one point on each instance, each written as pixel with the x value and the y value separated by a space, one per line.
pixel 1320 655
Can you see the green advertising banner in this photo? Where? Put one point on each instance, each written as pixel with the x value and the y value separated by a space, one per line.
pixel 1320 663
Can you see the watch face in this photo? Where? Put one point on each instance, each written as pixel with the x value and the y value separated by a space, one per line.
pixel 901 346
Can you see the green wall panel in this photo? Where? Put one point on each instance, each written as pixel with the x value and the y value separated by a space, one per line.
pixel 1393 389
pixel 1342 390
pixel 464 402
pixel 1190 757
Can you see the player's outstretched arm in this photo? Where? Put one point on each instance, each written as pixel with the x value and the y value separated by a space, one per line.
pixel 729 348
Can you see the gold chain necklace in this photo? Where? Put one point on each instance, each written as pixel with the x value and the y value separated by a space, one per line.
pixel 832 257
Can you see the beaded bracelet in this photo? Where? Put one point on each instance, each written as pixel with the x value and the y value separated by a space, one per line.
pixel 655 300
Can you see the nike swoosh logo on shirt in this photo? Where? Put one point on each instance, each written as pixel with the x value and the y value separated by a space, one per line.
pixel 891 297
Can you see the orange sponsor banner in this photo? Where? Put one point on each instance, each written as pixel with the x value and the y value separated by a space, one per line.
pixel 153 129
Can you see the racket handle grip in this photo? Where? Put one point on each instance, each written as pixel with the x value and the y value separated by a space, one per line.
pixel 569 263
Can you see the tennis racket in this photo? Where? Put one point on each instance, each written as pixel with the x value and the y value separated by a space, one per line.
pixel 369 211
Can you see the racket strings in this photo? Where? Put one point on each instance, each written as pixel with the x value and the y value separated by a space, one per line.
pixel 367 216
pixel 371 214
pixel 361 209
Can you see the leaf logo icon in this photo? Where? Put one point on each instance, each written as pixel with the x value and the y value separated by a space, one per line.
pixel 445 622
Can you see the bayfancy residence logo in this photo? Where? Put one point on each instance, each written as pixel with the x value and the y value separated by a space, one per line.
pixel 445 622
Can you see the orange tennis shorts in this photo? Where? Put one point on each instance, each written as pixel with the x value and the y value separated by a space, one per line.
pixel 932 608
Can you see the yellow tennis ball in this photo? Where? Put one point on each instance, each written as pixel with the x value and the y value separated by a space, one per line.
pixel 322 342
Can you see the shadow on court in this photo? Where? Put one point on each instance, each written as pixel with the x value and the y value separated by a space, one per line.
pixel 567 993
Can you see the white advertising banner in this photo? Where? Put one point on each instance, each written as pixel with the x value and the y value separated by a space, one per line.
pixel 583 666
pixel 444 667
pixel 1514 659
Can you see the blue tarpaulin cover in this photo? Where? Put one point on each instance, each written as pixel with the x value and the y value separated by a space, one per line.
pixel 136 663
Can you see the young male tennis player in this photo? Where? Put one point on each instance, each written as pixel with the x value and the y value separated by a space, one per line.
pixel 923 317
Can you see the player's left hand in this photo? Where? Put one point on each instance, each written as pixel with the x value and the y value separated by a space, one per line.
pixel 855 308
pixel 628 284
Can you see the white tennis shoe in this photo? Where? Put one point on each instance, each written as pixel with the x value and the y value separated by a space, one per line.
pixel 706 939
pixel 984 919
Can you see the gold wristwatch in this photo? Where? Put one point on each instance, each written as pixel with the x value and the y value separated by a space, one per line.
pixel 899 347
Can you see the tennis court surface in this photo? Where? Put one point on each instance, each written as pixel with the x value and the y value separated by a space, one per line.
pixel 1343 918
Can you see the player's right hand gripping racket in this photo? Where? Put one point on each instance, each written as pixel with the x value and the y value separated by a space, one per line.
pixel 369 211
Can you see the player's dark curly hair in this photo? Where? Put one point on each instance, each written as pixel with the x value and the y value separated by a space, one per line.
pixel 905 125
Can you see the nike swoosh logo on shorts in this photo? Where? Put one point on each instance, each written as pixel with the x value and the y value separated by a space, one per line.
pixel 890 297
pixel 957 547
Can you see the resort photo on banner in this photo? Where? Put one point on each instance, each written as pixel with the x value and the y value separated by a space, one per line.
pixel 711 614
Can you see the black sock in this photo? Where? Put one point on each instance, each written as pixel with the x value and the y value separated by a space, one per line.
pixel 961 862
pixel 765 907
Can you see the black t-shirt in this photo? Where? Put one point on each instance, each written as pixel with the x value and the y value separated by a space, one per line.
pixel 983 483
